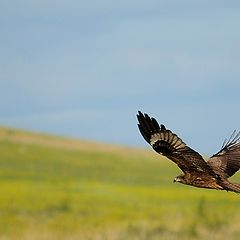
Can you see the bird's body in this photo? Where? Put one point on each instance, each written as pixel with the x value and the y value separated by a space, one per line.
pixel 197 172
pixel 199 180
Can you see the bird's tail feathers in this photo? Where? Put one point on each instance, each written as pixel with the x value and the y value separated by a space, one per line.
pixel 234 187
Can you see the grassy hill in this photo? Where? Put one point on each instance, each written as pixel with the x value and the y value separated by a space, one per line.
pixel 58 188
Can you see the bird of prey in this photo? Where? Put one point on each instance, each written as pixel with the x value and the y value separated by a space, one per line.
pixel 197 172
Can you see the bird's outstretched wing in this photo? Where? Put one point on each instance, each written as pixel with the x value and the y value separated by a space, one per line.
pixel 170 145
pixel 227 161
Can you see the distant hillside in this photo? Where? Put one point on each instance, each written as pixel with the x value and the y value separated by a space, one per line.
pixel 27 137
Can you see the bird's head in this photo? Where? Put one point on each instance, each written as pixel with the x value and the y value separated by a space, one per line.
pixel 180 179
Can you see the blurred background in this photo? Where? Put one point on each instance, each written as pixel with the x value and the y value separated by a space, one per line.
pixel 73 75
pixel 84 68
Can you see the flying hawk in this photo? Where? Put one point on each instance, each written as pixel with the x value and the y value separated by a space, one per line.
pixel 197 172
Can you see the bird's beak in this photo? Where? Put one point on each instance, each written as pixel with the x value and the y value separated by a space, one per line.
pixel 176 179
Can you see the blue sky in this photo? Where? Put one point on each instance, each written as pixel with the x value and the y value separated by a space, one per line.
pixel 84 68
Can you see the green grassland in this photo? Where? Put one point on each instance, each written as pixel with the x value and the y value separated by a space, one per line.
pixel 57 188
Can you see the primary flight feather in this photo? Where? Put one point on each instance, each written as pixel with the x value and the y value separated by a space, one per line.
pixel 213 173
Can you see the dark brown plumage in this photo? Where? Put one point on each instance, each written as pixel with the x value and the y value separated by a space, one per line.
pixel 197 172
